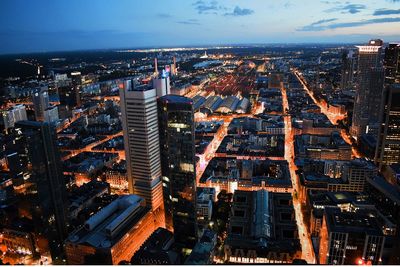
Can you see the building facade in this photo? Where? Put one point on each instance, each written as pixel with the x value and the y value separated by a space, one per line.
pixel 141 139
pixel 388 148
pixel 350 238
pixel 370 77
pixel 176 120
pixel 43 191
pixel 40 101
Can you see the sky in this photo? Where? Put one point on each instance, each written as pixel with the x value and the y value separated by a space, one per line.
pixel 60 25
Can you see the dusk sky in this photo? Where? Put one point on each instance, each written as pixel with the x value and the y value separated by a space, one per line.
pixel 52 25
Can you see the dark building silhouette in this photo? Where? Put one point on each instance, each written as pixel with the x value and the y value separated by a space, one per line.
pixel 392 63
pixel 40 101
pixel 176 120
pixel 157 249
pixel 350 238
pixel 348 64
pixel 388 148
pixel 388 141
pixel 42 193
pixel 369 89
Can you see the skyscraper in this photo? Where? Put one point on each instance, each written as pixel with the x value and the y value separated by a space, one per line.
pixel 42 195
pixel 392 63
pixel 141 138
pixel 388 148
pixel 369 89
pixel 388 145
pixel 348 64
pixel 13 115
pixel 176 120
pixel 40 101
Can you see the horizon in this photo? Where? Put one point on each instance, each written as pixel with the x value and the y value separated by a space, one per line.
pixel 196 46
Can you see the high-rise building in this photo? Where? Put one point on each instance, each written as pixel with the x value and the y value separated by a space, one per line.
pixel 42 196
pixel 348 64
pixel 141 138
pixel 392 63
pixel 162 84
pixel 369 89
pixel 13 115
pixel 40 101
pixel 350 237
pixel 178 164
pixel 388 148
pixel 76 78
pixel 51 114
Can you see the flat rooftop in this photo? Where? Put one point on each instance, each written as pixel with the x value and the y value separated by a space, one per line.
pixel 107 226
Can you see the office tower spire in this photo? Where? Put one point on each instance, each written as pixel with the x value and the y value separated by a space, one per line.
pixel 155 66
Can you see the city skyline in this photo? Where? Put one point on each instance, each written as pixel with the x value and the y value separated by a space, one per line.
pixel 72 25
pixel 199 132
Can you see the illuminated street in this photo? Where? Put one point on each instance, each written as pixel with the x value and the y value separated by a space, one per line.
pixel 333 117
pixel 89 148
pixel 304 235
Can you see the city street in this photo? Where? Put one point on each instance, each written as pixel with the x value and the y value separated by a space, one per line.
pixel 333 117
pixel 304 235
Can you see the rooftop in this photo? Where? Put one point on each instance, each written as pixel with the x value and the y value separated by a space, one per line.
pixel 107 226
pixel 176 99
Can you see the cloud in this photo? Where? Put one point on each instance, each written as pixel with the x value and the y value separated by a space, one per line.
pixel 189 22
pixel 316 26
pixel 319 27
pixel 330 2
pixel 212 7
pixel 349 8
pixel 382 12
pixel 322 21
pixel 164 15
pixel 203 7
pixel 237 11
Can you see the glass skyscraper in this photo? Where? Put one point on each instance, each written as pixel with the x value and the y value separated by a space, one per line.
pixel 176 120
pixel 42 194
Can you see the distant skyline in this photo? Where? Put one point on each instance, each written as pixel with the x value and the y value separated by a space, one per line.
pixel 57 25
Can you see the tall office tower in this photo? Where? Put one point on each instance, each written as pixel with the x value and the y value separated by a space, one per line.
pixel 369 89
pixel 51 114
pixel 392 64
pixel 76 78
pixel 388 148
pixel 43 193
pixel 40 101
pixel 176 120
pixel 348 64
pixel 142 147
pixel 317 76
pixel 388 145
